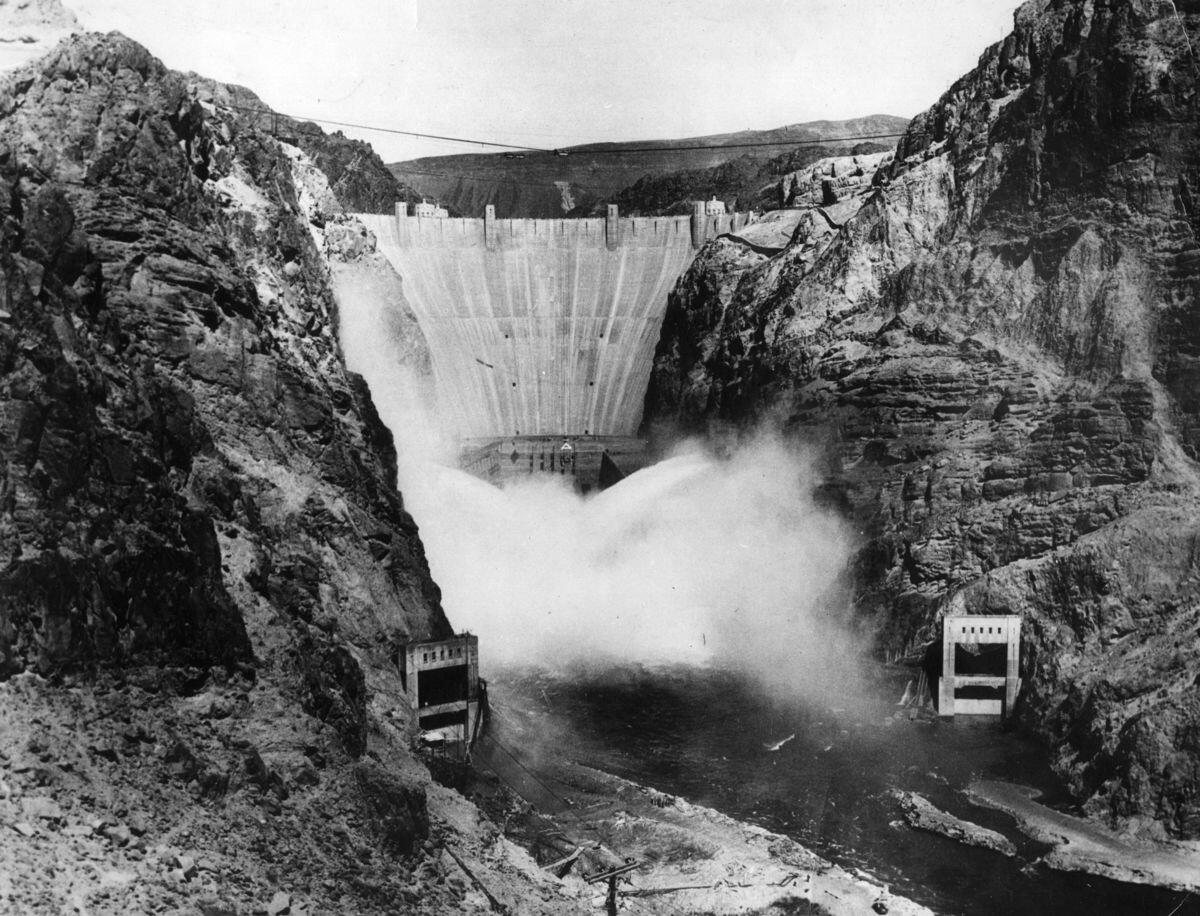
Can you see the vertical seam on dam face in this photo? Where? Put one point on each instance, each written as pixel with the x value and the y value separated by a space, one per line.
pixel 541 327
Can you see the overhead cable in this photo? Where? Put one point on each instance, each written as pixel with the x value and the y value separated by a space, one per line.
pixel 385 130
pixel 582 150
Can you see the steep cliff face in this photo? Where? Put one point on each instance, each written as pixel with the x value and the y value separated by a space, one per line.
pixel 208 574
pixel 1000 349
pixel 174 386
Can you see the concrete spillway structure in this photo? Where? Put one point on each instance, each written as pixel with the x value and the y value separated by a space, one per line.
pixel 541 327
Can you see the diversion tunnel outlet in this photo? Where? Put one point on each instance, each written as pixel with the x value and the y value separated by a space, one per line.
pixel 441 678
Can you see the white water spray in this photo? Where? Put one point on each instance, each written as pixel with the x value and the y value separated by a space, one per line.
pixel 696 559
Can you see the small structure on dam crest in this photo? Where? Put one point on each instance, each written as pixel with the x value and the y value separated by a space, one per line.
pixel 540 329
pixel 971 636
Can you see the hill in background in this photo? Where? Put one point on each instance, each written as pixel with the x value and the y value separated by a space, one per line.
pixel 642 180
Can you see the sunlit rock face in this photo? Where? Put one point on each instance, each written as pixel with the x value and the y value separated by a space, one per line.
pixel 1000 350
pixel 29 28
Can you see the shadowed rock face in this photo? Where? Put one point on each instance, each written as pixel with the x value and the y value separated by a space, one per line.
pixel 185 455
pixel 207 574
pixel 999 349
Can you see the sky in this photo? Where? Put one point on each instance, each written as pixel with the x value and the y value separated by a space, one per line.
pixel 548 73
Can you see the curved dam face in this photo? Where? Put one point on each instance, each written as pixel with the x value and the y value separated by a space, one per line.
pixel 540 328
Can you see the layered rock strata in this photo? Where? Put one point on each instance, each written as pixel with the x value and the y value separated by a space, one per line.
pixel 999 349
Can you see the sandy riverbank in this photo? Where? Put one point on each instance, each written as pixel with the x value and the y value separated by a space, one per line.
pixel 1086 846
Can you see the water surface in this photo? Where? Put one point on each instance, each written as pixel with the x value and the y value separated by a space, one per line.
pixel 704 734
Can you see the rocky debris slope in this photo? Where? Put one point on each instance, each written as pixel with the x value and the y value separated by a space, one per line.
pixel 1000 352
pixel 208 574
pixel 830 180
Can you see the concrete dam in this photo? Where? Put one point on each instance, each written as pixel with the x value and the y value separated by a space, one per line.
pixel 542 332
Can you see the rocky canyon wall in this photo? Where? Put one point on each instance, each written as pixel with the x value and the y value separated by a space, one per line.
pixel 208 574
pixel 997 341
pixel 174 390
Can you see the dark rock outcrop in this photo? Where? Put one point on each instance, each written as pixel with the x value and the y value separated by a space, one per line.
pixel 922 814
pixel 173 384
pixel 999 351
pixel 207 575
pixel 104 558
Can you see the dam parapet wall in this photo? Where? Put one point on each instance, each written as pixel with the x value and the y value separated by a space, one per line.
pixel 606 232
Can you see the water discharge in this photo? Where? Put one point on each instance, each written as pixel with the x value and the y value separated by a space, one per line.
pixel 695 559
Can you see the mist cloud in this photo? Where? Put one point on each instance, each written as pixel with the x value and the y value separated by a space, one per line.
pixel 696 559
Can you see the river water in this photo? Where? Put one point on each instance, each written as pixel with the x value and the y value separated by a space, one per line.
pixel 704 734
